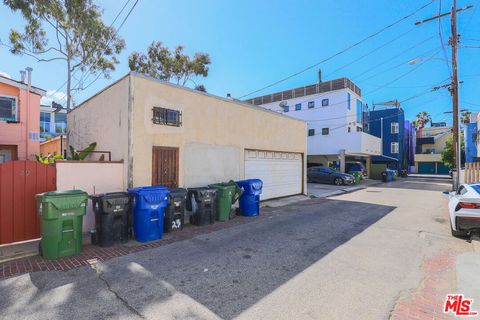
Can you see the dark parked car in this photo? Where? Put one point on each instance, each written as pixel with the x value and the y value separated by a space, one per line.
pixel 327 175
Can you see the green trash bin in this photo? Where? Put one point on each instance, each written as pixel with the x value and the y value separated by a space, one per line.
pixel 227 194
pixel 61 217
pixel 357 175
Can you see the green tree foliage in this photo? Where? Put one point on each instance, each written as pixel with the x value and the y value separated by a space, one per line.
pixel 465 118
pixel 447 154
pixel 81 38
pixel 161 63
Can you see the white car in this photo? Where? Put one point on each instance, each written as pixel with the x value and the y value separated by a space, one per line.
pixel 464 207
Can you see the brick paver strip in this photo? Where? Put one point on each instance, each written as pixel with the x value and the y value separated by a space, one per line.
pixel 91 253
pixel 427 301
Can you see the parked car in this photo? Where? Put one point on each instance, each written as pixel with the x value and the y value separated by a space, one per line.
pixel 356 166
pixel 327 175
pixel 464 208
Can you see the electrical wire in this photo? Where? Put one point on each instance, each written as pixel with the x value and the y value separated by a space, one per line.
pixel 370 52
pixel 440 35
pixel 81 78
pixel 339 52
pixel 370 92
pixel 116 32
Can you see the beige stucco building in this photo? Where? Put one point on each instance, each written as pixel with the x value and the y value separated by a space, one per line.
pixel 430 145
pixel 178 137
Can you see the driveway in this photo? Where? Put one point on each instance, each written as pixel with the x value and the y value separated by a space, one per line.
pixel 351 256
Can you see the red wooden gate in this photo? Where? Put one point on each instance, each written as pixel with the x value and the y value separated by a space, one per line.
pixel 20 181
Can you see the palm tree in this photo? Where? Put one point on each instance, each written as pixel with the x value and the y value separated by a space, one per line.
pixel 425 117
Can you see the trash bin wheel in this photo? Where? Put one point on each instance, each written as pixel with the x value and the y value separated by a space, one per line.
pixel 40 249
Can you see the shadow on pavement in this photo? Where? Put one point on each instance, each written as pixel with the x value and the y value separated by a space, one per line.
pixel 216 274
pixel 418 184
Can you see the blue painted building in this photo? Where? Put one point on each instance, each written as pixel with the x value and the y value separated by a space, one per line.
pixel 389 125
pixel 470 135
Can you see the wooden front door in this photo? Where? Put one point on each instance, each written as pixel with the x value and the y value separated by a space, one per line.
pixel 165 167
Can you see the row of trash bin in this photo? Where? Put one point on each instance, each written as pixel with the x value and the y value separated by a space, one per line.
pixel 389 175
pixel 143 213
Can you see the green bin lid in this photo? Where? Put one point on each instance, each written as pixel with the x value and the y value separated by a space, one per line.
pixel 62 193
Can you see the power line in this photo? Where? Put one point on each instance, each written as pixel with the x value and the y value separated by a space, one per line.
pixel 340 52
pixel 111 24
pixel 116 33
pixel 403 63
pixel 402 101
pixel 370 52
pixel 394 57
pixel 370 92
pixel 440 35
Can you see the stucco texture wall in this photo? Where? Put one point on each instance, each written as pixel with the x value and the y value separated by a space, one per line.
pixel 91 177
pixel 102 119
pixel 213 135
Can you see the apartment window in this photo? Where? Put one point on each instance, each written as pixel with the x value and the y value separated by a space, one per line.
pixel 359 111
pixel 8 109
pixel 286 108
pixel 167 117
pixel 311 132
pixel 359 129
pixel 348 101
pixel 394 147
pixel 348 129
pixel 60 122
pixel 324 102
pixel 394 127
pixel 325 131
pixel 45 118
pixel 298 106
pixel 311 104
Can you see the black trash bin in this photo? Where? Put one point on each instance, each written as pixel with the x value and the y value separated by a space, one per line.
pixel 201 201
pixel 175 211
pixel 111 218
pixel 384 176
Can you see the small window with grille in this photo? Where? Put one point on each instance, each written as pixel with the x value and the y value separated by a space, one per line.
pixel 167 117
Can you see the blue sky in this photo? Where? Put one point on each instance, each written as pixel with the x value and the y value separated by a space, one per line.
pixel 255 43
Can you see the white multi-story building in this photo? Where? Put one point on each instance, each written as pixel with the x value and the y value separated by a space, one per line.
pixel 334 113
pixel 53 121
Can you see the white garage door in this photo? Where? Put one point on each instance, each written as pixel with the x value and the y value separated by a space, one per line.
pixel 281 172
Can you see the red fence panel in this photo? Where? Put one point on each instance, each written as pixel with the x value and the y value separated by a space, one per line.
pixel 20 181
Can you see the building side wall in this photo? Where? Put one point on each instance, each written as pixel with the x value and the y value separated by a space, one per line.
pixel 213 135
pixel 102 119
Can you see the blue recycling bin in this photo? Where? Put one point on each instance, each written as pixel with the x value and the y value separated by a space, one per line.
pixel 250 199
pixel 148 212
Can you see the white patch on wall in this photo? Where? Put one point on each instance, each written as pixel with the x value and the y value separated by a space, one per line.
pixel 205 164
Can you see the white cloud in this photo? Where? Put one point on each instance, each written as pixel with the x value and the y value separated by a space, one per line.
pixel 4 74
pixel 53 95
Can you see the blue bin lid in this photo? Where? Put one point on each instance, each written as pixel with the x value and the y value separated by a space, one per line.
pixel 151 194
pixel 147 189
pixel 253 184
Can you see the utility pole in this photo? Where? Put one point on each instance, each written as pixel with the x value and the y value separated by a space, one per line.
pixel 457 143
pixel 453 88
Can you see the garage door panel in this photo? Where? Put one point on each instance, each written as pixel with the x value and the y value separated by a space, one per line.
pixel 281 172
